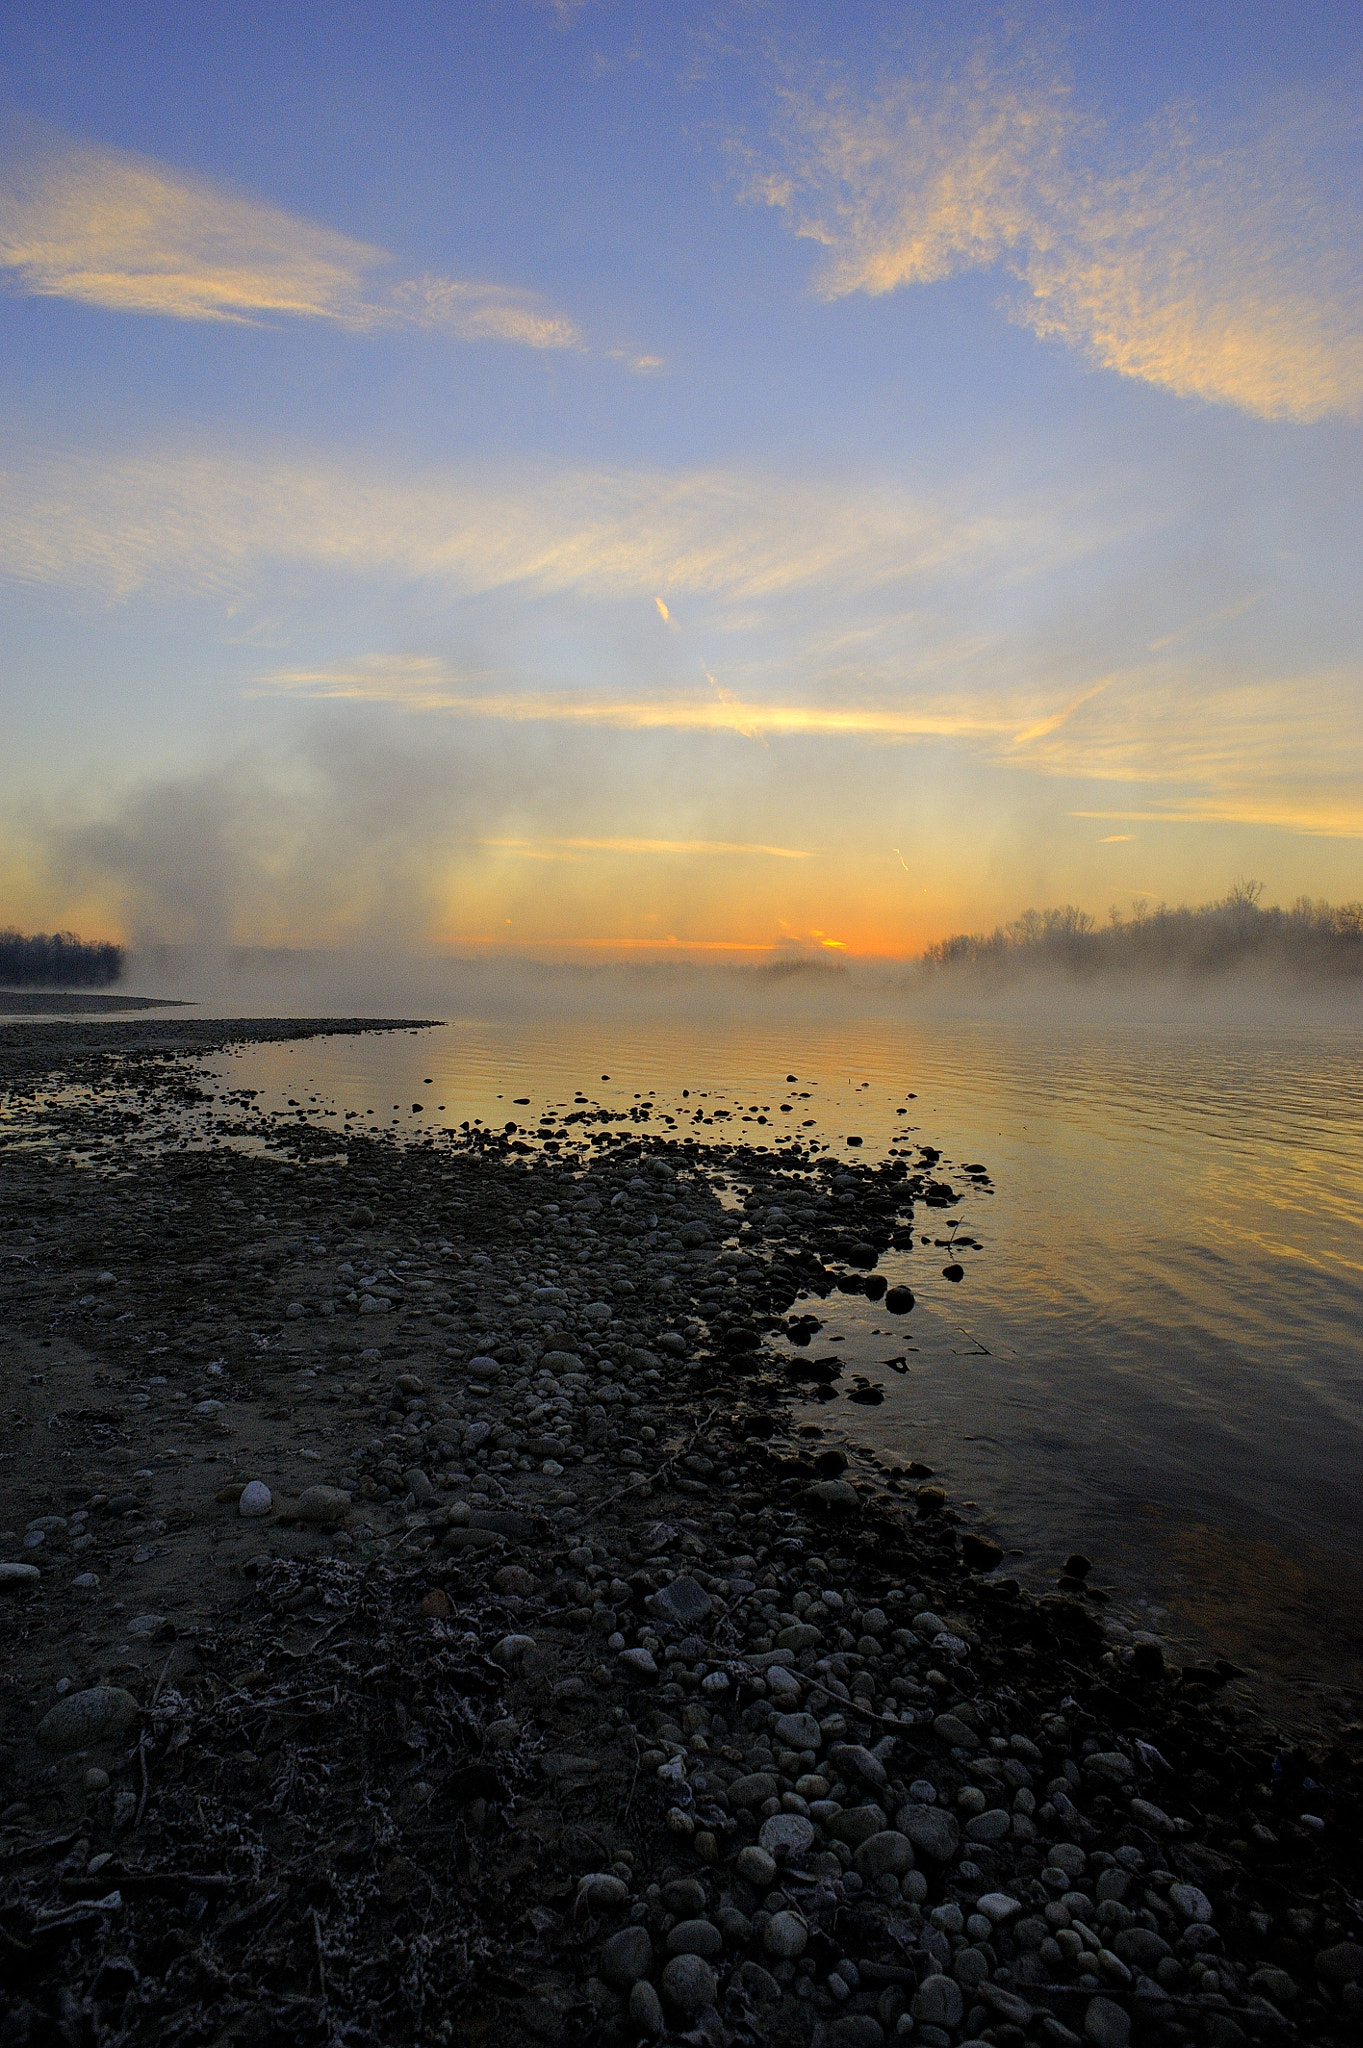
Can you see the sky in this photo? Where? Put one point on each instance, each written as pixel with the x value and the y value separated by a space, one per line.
pixel 767 479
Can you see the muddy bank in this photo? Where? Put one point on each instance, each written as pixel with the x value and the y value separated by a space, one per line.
pixel 573 1684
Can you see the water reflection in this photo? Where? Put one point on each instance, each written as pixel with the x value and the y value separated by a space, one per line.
pixel 1155 1353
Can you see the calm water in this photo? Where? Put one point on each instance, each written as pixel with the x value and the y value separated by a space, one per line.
pixel 1156 1354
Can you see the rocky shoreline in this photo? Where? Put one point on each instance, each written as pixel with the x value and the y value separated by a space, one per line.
pixel 433 1613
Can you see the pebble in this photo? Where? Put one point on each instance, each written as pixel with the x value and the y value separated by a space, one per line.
pixel 646 2008
pixel 797 1731
pixel 147 1625
pixel 695 1938
pixel 956 1732
pixel 685 1602
pixel 858 2030
pixel 835 1493
pixel 788 1831
pixel 1341 1965
pixel 601 1889
pixel 689 1984
pixel 755 1867
pixel 1106 2024
pixel 938 2003
pixel 785 1936
pixel 514 1578
pixel 1151 1816
pixel 1190 1903
pixel 322 1504
pixel 931 1830
pixel 84 1719
pixel 95 1780
pixel 988 1827
pixel 753 1789
pixel 638 1663
pixel 854 1760
pixel 627 1956
pixel 15 1575
pixel 511 1650
pixel 998 1907
pixel 256 1499
pixel 884 1854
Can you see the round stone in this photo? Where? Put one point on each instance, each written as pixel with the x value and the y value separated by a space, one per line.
pixel 602 1889
pixel 785 1936
pixel 788 1831
pixel 511 1649
pixel 695 1938
pixel 857 2030
pixel 627 1957
pixel 887 1854
pixel 998 1907
pixel 84 1719
pixel 689 1983
pixel 938 2003
pixel 797 1731
pixel 1106 2025
pixel 13 1576
pixel 1189 1902
pixel 95 1780
pixel 322 1504
pixel 646 2008
pixel 638 1663
pixel 929 1829
pixel 256 1499
pixel 755 1867
pixel 988 1827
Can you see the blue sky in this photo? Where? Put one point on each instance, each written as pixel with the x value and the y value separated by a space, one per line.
pixel 602 475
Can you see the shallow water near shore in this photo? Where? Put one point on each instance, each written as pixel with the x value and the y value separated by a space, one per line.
pixel 1154 1355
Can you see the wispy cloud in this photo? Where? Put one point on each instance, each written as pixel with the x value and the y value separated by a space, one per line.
pixel 1231 753
pixel 421 684
pixel 133 236
pixel 1222 266
pixel 183 521
pixel 537 847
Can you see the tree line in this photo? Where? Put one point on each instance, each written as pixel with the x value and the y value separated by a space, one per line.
pixel 57 960
pixel 1310 938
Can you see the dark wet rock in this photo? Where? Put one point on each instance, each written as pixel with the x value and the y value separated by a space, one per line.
pixel 981 1553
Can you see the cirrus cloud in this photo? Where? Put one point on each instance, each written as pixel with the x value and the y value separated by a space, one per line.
pixel 111 229
pixel 1216 265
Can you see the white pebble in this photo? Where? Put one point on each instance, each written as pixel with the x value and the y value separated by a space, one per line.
pixel 256 1499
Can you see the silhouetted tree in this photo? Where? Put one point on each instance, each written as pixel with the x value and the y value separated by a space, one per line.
pixel 57 960
pixel 1312 939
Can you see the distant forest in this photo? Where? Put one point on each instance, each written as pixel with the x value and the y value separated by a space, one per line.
pixel 1311 940
pixel 57 960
